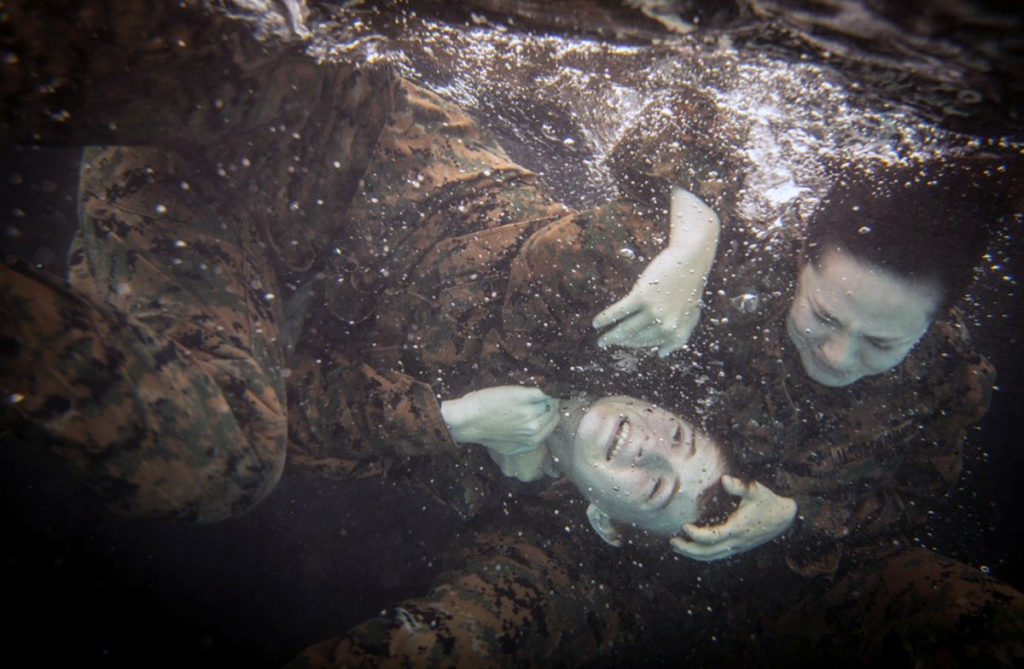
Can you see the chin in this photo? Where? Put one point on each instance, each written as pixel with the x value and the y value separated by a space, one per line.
pixel 824 377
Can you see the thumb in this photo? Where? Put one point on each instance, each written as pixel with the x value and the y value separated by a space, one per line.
pixel 734 486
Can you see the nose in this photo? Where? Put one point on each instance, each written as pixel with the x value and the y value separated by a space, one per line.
pixel 837 351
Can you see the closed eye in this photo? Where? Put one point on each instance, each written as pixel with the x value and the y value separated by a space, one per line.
pixel 881 345
pixel 676 483
pixel 823 316
pixel 657 487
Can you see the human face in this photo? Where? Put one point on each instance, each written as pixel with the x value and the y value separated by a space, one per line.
pixel 851 319
pixel 642 465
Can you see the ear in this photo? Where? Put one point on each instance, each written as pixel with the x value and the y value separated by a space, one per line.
pixel 604 526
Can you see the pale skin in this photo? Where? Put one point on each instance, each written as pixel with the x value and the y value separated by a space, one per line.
pixel 851 319
pixel 509 420
pixel 662 309
pixel 643 467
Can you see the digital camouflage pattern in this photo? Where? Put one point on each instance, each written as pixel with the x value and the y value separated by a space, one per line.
pixel 162 371
pixel 862 478
pixel 184 248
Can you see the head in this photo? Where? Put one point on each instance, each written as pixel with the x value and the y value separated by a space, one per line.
pixel 887 252
pixel 637 464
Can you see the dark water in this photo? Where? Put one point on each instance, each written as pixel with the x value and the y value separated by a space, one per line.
pixel 558 83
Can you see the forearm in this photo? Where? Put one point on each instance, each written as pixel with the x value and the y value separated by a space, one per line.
pixel 832 523
pixel 355 420
pixel 564 274
pixel 694 230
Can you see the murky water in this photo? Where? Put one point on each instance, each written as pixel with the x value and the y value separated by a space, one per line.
pixel 803 84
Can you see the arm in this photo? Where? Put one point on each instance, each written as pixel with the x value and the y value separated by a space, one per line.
pixel 916 460
pixel 663 307
pixel 154 428
pixel 562 276
pixel 159 373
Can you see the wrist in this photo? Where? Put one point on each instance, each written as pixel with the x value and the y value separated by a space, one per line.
pixel 453 414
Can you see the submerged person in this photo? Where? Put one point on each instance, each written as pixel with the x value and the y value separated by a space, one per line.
pixel 795 358
pixel 160 372
pixel 863 462
pixel 865 453
pixel 640 467
pixel 530 588
pixel 160 375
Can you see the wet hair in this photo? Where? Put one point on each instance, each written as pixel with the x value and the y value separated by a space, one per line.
pixel 926 222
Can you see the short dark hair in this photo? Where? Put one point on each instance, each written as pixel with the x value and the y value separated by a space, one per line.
pixel 928 221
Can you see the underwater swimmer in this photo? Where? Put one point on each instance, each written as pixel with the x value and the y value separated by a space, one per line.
pixel 638 465
pixel 887 254
pixel 890 250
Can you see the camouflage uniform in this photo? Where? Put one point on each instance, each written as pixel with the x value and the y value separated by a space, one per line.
pixel 161 374
pixel 160 371
pixel 864 462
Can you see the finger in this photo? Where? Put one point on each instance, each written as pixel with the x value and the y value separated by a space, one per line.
pixel 682 336
pixel 650 336
pixel 518 448
pixel 625 331
pixel 672 345
pixel 734 486
pixel 549 427
pixel 537 416
pixel 534 415
pixel 712 534
pixel 621 309
pixel 701 552
pixel 670 348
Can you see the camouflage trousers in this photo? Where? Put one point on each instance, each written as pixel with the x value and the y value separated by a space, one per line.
pixel 517 599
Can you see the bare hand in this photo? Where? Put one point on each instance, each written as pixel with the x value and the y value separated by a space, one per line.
pixel 505 419
pixel 663 307
pixel 761 516
pixel 529 466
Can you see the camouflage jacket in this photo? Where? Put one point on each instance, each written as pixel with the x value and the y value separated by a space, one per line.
pixel 225 185
pixel 514 304
pixel 442 266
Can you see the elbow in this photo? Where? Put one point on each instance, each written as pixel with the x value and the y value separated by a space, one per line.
pixel 238 485
pixel 213 488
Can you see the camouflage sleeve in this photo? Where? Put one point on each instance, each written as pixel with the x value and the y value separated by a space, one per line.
pixel 434 177
pixel 142 418
pixel 171 308
pixel 565 274
pixel 512 598
pixel 348 419
pixel 185 242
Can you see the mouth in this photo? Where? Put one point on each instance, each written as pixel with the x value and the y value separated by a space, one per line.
pixel 827 368
pixel 618 439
